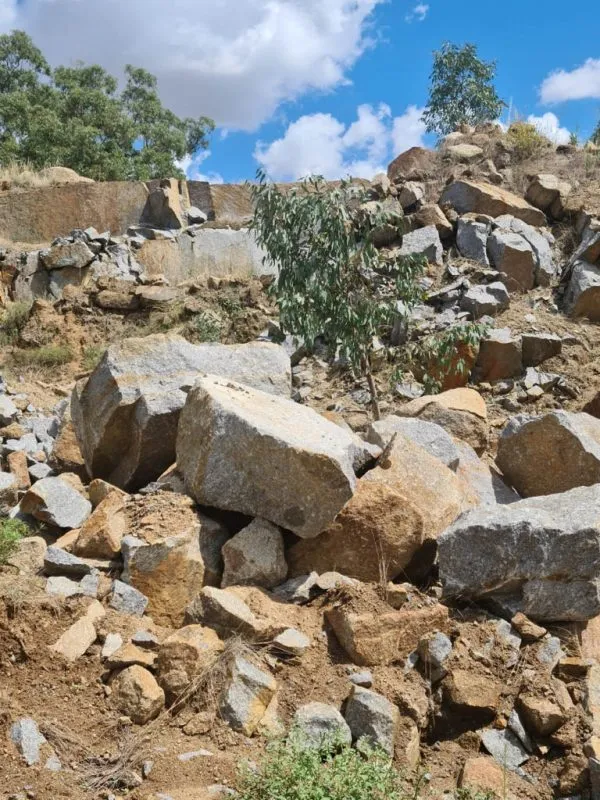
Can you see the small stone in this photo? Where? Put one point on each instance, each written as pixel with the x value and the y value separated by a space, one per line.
pixel 364 679
pixel 433 650
pixel 138 695
pixel 77 639
pixel 127 600
pixel 517 727
pixel 528 630
pixel 40 471
pixel 291 642
pixel 247 696
pixel 17 465
pixel 112 643
pixel 255 556
pixel 298 590
pixel 61 586
pixel 58 562
pixel 504 746
pixel 226 613
pixel 145 639
pixel 541 716
pixel 129 654
pixel 372 718
pixel 27 737
pixel 54 501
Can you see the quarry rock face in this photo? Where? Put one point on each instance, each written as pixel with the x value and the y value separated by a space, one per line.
pixel 125 415
pixel 243 450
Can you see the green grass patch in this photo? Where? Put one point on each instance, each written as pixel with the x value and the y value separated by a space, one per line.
pixel 54 355
pixel 12 321
pixel 11 532
pixel 92 356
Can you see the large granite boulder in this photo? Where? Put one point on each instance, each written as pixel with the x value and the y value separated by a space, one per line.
pixel 582 298
pixel 125 415
pixel 551 453
pixel 240 449
pixel 540 556
pixel 483 198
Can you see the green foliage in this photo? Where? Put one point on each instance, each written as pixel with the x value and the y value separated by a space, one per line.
pixel 441 355
pixel 76 117
pixel 206 326
pixel 333 281
pixel 293 772
pixel 52 355
pixel 526 140
pixel 595 137
pixel 11 531
pixel 461 90
pixel 92 355
pixel 12 322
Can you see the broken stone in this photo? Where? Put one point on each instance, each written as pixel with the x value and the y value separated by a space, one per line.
pixel 512 255
pixel 551 453
pixel 112 643
pixel 292 642
pixel 127 600
pixel 461 412
pixel 528 630
pixel 28 557
pixel 126 414
pixel 500 356
pixel 33 746
pixel 471 239
pixel 481 198
pixel 8 411
pixel 372 719
pixel 75 255
pixel 101 534
pixel 255 556
pixel 54 501
pixel 428 435
pixel 582 298
pixel 465 152
pixel 538 347
pixel 183 655
pixel 247 697
pixel 542 717
pixel 137 694
pixel 9 494
pixel 77 639
pixel 485 300
pixel 317 723
pixel 297 471
pixel 423 242
pixel 534 553
pixel 548 193
pixel 470 695
pixel 505 747
pixel 432 214
pixel 226 613
pixel 17 465
pixel 60 586
pixel 129 654
pixel 58 562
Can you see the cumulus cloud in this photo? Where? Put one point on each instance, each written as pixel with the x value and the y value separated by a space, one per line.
pixel 549 126
pixel 319 144
pixel 418 13
pixel 580 83
pixel 191 165
pixel 234 61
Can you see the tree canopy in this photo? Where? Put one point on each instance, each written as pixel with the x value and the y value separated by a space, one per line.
pixel 78 117
pixel 461 90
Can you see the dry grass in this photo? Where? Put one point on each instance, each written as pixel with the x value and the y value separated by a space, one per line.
pixel 23 176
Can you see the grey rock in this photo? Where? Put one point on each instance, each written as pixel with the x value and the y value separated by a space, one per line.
pixel 589 248
pixel 255 556
pixel 316 723
pixel 39 471
pixel 506 634
pixel 226 613
pixel 484 299
pixel 411 194
pixel 435 649
pixel 8 410
pixel 372 718
pixel 505 747
pixel 27 444
pixel 292 642
pixel 126 414
pixel 364 679
pixel 250 688
pixel 59 585
pixel 26 736
pixel 551 453
pixel 539 553
pixel 145 639
pixel 112 643
pixel 582 297
pixel 511 254
pixel 56 502
pixel 538 347
pixel 471 239
pixel 58 562
pixel 431 437
pixel 297 467
pixel 8 489
pixel 549 652
pixel 545 268
pixel 500 356
pixel 298 590
pixel 423 242
pixel 127 600
pixel 195 216
pixel 517 727
pixel 70 254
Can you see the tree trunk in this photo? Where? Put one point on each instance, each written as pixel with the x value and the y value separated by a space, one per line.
pixel 366 368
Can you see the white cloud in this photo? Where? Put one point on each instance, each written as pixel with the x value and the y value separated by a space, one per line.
pixel 418 13
pixel 319 144
pixel 578 84
pixel 549 126
pixel 191 166
pixel 234 60
pixel 408 130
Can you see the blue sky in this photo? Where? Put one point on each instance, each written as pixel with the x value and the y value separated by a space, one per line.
pixel 325 85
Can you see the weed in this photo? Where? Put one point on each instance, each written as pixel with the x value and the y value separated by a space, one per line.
pixel 206 326
pixel 12 322
pixel 52 355
pixel 91 356
pixel 11 532
pixel 526 140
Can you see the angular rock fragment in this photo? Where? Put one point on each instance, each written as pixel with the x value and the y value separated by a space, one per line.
pixel 54 501
pixel 431 437
pixel 243 450
pixel 126 414
pixel 255 556
pixel 372 718
pixel 317 723
pixel 247 695
pixel 482 198
pixel 500 356
pixel 540 555
pixel 485 300
pixel 137 694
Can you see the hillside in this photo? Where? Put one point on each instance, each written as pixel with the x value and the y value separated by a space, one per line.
pixel 208 540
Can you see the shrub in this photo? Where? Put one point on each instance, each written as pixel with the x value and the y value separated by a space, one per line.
pixel 205 326
pixel 12 322
pixel 11 531
pixel 446 354
pixel 52 355
pixel 526 140
pixel 291 771
pixel 332 279
pixel 92 355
